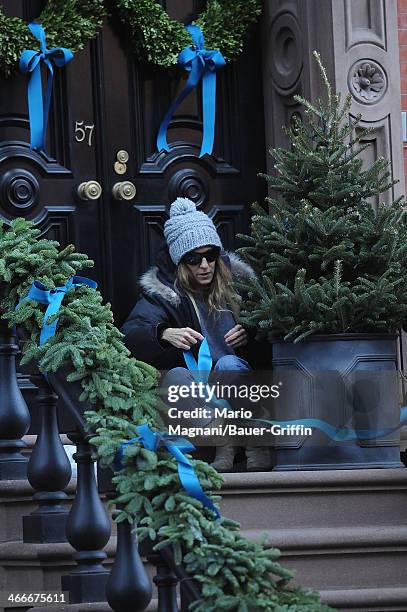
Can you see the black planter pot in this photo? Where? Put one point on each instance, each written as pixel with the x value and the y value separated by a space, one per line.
pixel 348 381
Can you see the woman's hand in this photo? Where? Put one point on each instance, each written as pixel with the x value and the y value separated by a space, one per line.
pixel 181 337
pixel 237 336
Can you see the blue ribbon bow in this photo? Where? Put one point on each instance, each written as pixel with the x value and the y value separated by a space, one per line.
pixel 53 299
pixel 30 61
pixel 176 446
pixel 200 63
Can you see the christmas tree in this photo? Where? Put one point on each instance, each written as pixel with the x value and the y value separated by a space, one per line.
pixel 326 260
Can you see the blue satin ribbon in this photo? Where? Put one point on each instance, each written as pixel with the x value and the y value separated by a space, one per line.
pixel 53 299
pixel 176 446
pixel 200 63
pixel 201 370
pixel 30 61
pixel 341 434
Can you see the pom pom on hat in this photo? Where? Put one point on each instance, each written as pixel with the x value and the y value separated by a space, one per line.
pixel 181 206
pixel 188 229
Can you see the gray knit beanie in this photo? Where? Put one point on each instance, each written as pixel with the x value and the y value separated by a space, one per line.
pixel 188 229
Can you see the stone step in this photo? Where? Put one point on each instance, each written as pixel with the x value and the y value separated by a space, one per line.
pixel 321 558
pixel 34 568
pixel 84 607
pixel 16 501
pixel 320 562
pixel 88 607
pixel 342 558
pixel 276 499
pixel 380 599
pixel 343 532
pixel 360 600
pixel 304 499
pixel 356 600
pixel 39 567
pixel 346 539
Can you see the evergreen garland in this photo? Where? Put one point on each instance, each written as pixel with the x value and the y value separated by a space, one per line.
pixel 235 573
pixel 326 260
pixel 155 37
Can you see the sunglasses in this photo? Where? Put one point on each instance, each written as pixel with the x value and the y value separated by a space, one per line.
pixel 195 259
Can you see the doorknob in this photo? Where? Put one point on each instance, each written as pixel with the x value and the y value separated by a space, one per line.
pixel 89 190
pixel 125 190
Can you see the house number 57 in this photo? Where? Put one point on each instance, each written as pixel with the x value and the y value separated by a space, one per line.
pixel 83 132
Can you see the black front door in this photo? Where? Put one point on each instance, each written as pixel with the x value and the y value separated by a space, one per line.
pixel 107 107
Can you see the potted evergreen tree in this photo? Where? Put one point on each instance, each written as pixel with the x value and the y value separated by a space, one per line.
pixel 331 291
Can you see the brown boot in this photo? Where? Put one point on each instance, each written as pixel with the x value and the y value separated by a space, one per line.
pixel 258 459
pixel 224 459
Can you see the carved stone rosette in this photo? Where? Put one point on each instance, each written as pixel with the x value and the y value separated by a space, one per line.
pixel 367 81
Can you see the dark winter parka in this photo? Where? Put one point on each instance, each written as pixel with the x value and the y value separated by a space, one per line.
pixel 161 306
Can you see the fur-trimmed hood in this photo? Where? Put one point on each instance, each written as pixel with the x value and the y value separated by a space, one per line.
pixel 159 279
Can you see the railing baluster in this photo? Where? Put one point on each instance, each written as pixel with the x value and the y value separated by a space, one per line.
pixel 14 414
pixel 129 587
pixel 49 472
pixel 166 582
pixel 189 588
pixel 88 531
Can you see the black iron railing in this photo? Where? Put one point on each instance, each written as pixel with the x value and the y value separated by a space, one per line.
pixel 86 526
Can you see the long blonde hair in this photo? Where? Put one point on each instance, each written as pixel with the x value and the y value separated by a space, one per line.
pixel 220 295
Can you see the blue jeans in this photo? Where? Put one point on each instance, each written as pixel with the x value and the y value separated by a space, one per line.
pixel 229 369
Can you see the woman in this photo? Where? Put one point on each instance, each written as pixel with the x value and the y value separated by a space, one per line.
pixel 187 296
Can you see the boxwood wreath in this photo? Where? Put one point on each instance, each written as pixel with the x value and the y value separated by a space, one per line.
pixel 67 23
pixel 154 37
pixel 235 573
